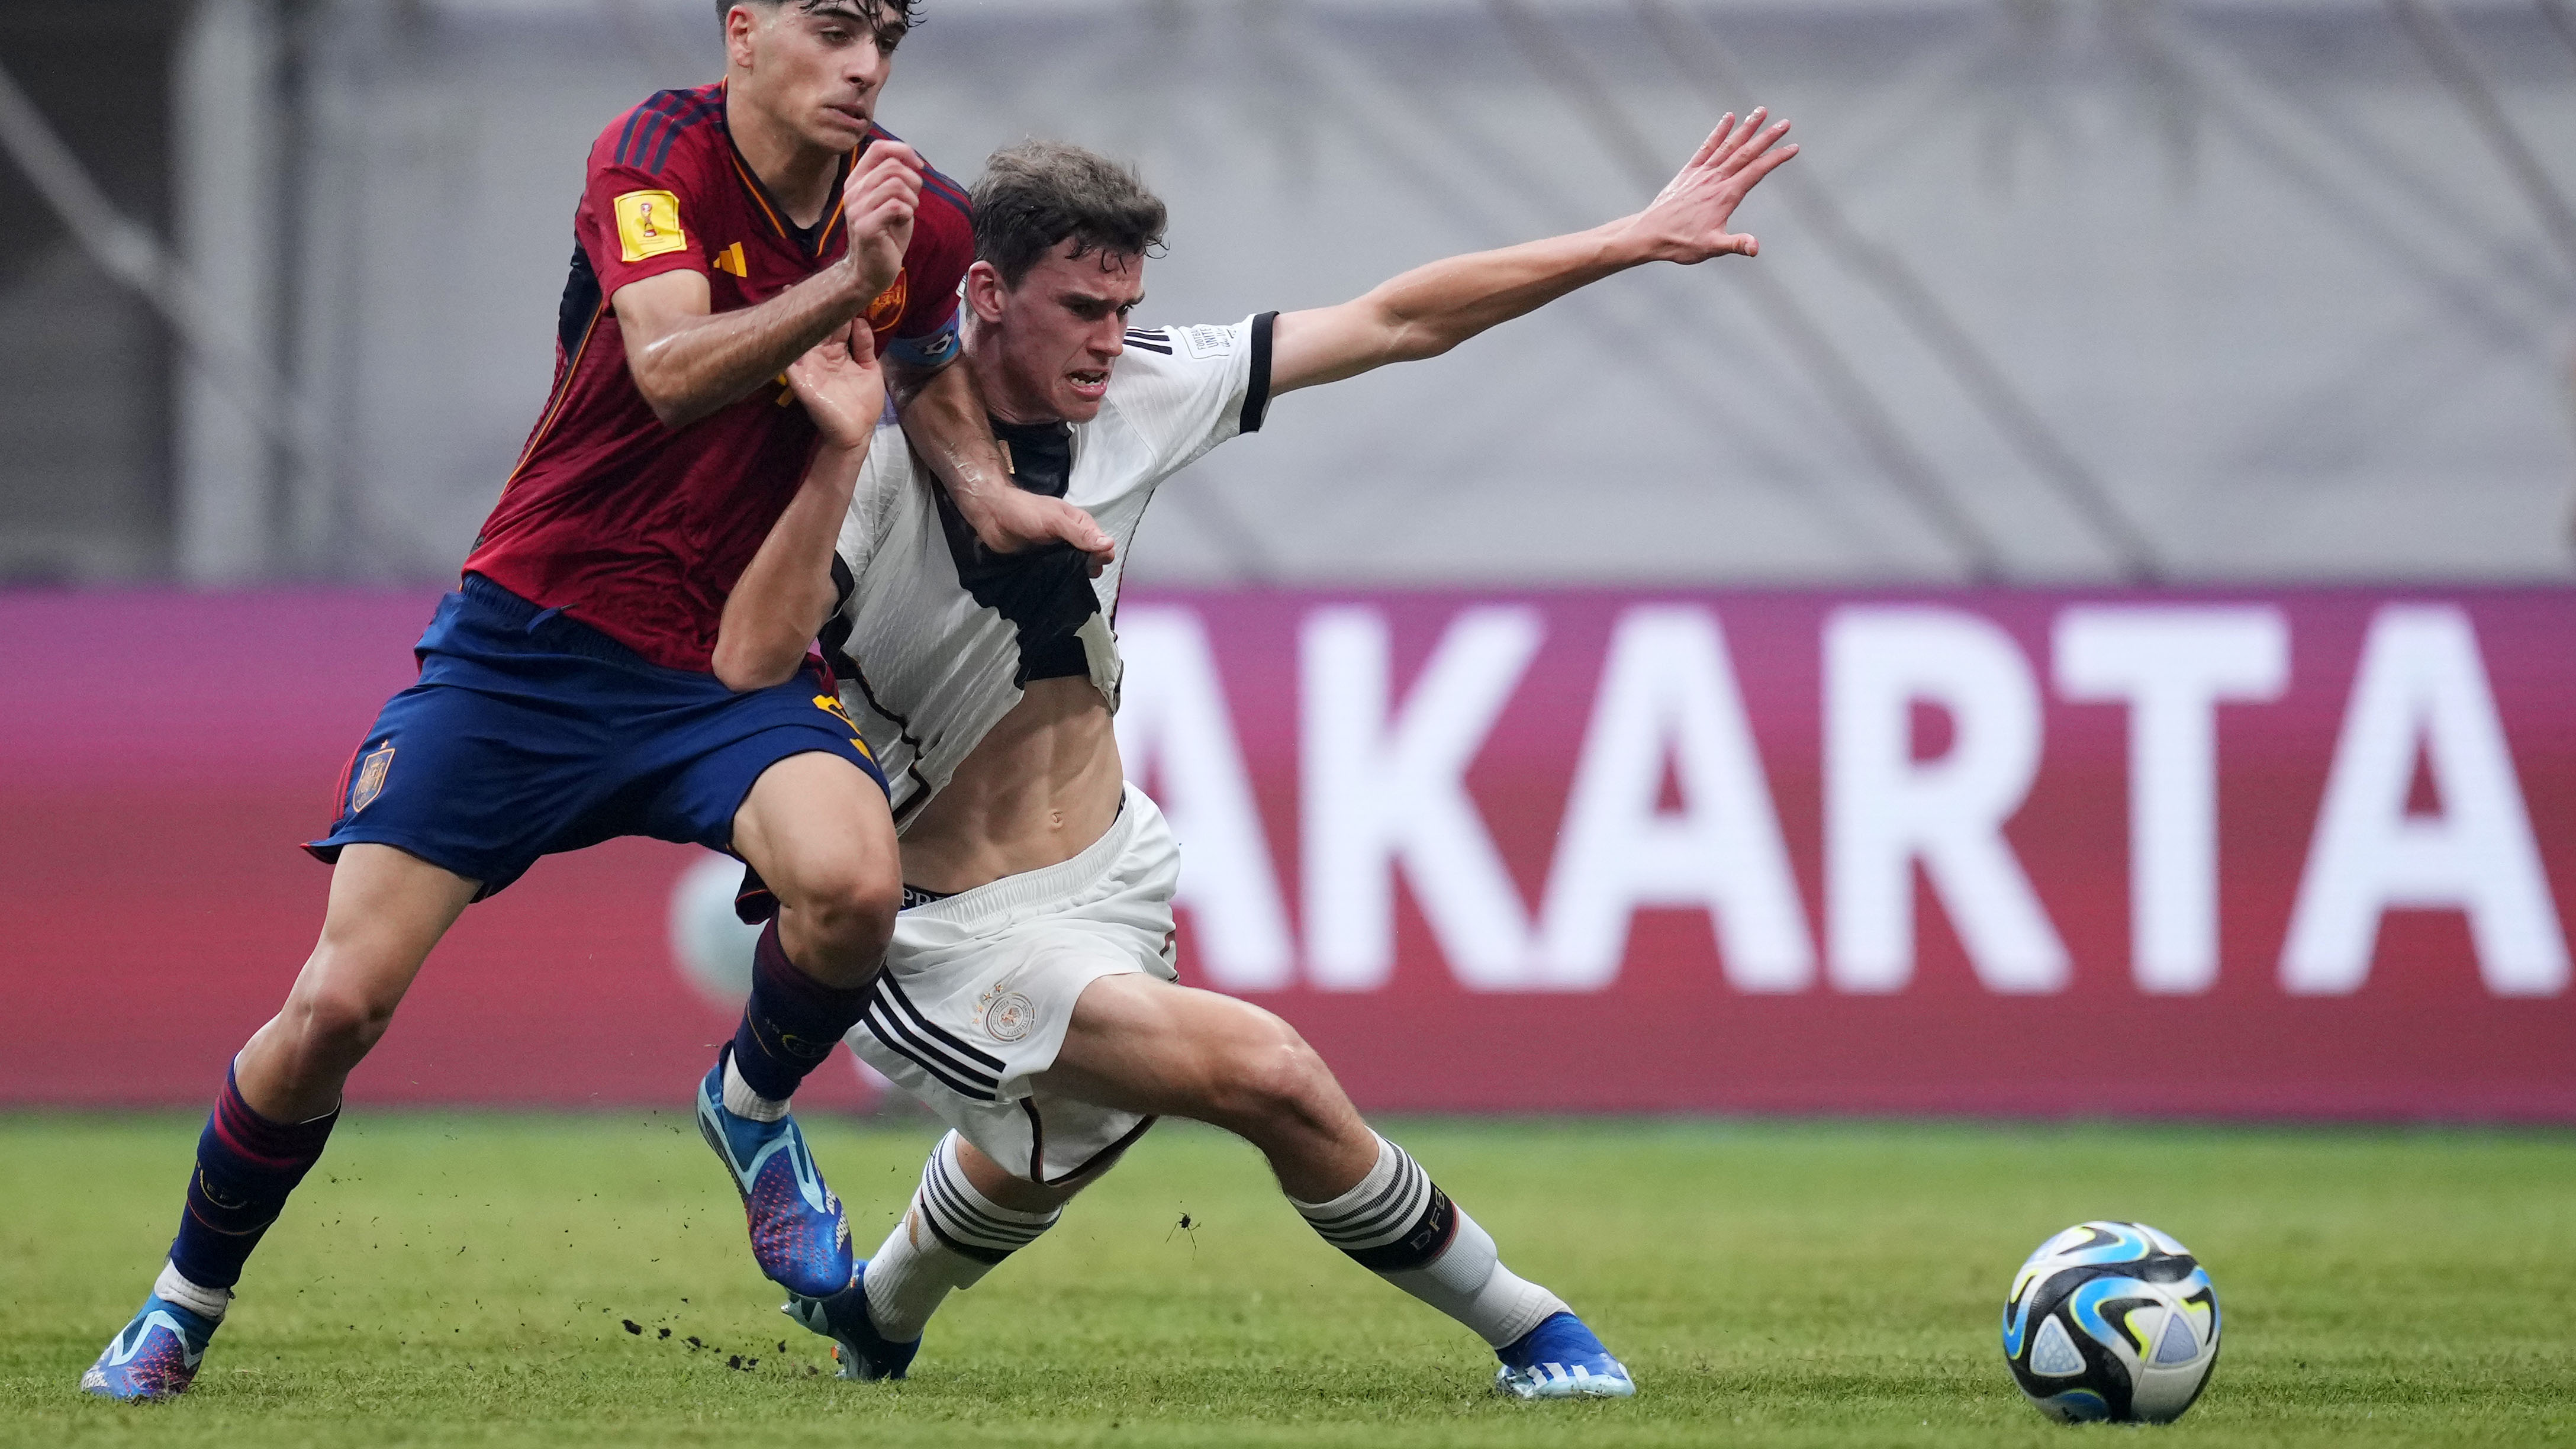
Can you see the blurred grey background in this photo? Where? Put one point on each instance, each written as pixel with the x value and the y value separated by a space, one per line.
pixel 2103 291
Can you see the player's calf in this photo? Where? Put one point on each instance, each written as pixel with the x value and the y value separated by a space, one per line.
pixel 1151 1047
pixel 1398 1224
pixel 949 1238
pixel 836 889
pixel 799 1235
pixel 247 1166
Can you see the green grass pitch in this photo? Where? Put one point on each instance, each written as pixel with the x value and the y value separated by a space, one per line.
pixel 466 1280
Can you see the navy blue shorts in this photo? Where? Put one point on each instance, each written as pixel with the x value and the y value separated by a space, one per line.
pixel 530 734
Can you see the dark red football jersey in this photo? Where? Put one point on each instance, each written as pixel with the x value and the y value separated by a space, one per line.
pixel 639 530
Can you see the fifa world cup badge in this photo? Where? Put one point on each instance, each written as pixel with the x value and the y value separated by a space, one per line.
pixel 371 779
pixel 648 225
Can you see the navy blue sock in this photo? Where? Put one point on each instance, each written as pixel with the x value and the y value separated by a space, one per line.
pixel 246 1167
pixel 791 1023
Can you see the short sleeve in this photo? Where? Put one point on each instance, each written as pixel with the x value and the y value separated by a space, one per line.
pixel 638 220
pixel 1195 387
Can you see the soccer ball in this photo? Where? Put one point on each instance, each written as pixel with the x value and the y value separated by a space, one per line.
pixel 2111 1321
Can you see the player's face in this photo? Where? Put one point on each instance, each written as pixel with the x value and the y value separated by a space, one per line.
pixel 1061 330
pixel 818 68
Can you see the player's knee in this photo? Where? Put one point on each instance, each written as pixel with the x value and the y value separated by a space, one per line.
pixel 1270 1080
pixel 338 1024
pixel 850 910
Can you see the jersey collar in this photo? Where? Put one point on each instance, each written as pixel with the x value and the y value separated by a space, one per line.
pixel 810 240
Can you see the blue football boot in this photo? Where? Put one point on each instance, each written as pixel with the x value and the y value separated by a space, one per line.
pixel 1561 1359
pixel 155 1357
pixel 864 1353
pixel 798 1234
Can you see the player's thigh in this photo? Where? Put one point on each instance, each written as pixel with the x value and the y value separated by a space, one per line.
pixel 387 909
pixel 389 906
pixel 1146 1045
pixel 816 827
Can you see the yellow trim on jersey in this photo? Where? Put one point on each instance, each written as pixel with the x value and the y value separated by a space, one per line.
pixel 648 224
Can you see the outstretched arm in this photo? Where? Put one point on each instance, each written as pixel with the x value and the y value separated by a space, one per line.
pixel 1431 309
pixel 782 600
pixel 690 363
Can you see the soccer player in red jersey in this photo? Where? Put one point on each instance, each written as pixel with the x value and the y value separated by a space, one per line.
pixel 573 689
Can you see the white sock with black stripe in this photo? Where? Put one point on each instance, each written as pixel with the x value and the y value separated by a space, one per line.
pixel 1399 1224
pixel 949 1238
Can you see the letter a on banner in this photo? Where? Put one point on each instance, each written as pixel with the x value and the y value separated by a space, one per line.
pixel 2422 684
pixel 1669 693
pixel 1884 811
pixel 1174 728
pixel 1379 790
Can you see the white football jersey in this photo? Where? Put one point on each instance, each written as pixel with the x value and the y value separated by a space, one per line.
pixel 939 635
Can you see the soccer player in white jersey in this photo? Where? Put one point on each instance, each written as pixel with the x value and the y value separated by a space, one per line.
pixel 1029 996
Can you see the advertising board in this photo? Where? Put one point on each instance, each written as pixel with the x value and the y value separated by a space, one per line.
pixel 2266 853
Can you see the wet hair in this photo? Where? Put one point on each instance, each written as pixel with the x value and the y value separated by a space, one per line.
pixel 1035 195
pixel 906 11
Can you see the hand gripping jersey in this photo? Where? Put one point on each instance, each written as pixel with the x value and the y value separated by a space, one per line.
pixel 639 530
pixel 941 637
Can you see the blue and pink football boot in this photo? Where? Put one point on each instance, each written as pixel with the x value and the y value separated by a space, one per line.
pixel 799 1235
pixel 154 1357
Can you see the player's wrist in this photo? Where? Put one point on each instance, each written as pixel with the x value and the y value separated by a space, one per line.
pixel 1004 518
pixel 837 449
pixel 978 497
pixel 852 290
pixel 1633 241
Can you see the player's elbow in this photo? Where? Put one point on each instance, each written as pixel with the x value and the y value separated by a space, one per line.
pixel 744 666
pixel 673 411
pixel 1410 339
pixel 906 382
pixel 1402 325
pixel 664 390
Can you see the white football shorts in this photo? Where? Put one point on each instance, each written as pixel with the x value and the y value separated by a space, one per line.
pixel 978 989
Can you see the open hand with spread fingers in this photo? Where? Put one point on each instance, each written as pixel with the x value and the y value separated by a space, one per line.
pixel 1686 222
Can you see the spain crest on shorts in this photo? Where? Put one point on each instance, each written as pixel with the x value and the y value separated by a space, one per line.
pixel 371 778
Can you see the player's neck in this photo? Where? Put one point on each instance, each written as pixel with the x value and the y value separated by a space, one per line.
pixel 797 173
pixel 1006 402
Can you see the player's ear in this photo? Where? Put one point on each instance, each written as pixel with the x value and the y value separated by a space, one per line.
pixel 986 295
pixel 742 24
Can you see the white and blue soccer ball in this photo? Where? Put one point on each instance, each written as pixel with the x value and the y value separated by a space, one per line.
pixel 2111 1321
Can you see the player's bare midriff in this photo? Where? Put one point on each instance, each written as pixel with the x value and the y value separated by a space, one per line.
pixel 1043 785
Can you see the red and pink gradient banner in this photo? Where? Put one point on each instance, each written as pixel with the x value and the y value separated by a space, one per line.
pixel 2274 853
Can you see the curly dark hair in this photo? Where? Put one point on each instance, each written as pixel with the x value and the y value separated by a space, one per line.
pixel 1036 194
pixel 906 12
